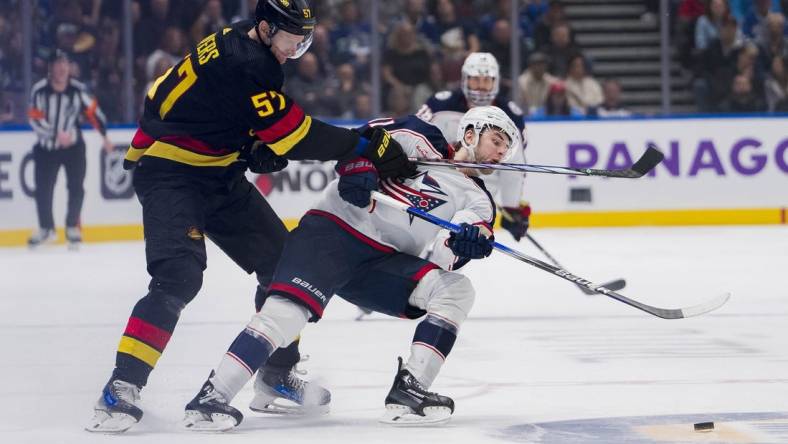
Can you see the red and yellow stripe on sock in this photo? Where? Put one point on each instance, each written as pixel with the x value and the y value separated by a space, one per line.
pixel 143 341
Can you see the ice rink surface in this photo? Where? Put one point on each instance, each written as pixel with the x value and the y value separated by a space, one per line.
pixel 537 362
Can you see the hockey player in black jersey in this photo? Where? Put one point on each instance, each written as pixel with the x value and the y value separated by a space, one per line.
pixel 480 87
pixel 216 113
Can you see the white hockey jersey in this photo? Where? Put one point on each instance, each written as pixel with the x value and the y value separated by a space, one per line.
pixel 443 192
pixel 446 108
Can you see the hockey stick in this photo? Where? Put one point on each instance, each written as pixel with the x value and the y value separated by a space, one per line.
pixel 615 285
pixel 646 163
pixel 665 313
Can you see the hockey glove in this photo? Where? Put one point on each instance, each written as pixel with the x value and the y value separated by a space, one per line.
pixel 261 160
pixel 516 220
pixel 469 243
pixel 377 145
pixel 358 178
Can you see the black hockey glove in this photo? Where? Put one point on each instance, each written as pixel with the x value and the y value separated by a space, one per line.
pixel 261 160
pixel 516 220
pixel 469 243
pixel 385 153
pixel 358 178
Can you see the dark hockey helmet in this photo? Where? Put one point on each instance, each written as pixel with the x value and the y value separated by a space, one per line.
pixel 293 16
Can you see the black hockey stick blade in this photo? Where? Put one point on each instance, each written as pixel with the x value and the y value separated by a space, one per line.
pixel 650 159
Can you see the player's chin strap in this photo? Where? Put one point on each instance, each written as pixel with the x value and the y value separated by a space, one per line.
pixel 665 313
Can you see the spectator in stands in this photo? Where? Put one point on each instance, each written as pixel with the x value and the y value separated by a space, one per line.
pixel 151 26
pixel 6 108
pixel 742 99
pixel 348 89
pixel 108 70
pixel 415 12
pixel 503 11
pixel 351 38
pixel 708 25
pixel 535 83
pixel 716 67
pixel 309 90
pixel 209 21
pixel 777 86
pixel 171 48
pixel 560 50
pixel 557 104
pixel 687 14
pixel 755 20
pixel 321 48
pixel 499 46
pixel 399 102
pixel 773 43
pixel 406 64
pixel 362 107
pixel 456 38
pixel 543 30
pixel 611 104
pixel 582 90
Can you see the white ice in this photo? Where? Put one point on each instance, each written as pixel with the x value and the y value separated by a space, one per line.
pixel 534 361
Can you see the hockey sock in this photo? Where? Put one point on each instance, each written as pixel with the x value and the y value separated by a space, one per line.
pixel 432 342
pixel 149 329
pixel 246 354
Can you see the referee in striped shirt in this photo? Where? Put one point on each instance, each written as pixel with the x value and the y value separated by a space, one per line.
pixel 57 104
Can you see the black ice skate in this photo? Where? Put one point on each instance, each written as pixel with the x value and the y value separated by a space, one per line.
pixel 116 410
pixel 210 412
pixel 43 236
pixel 284 392
pixel 409 403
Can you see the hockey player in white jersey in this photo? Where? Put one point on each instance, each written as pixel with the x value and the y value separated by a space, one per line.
pixel 480 84
pixel 370 255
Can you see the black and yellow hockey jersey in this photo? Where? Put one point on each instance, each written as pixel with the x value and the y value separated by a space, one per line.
pixel 225 94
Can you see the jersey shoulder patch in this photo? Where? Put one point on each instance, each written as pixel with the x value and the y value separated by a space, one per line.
pixel 447 101
pixel 443 95
pixel 514 108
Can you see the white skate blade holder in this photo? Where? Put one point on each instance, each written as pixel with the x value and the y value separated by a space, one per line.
pixel 198 422
pixel 104 422
pixel 403 416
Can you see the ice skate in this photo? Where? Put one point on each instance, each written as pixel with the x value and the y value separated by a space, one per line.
pixel 43 236
pixel 117 409
pixel 210 412
pixel 286 393
pixel 410 404
pixel 73 237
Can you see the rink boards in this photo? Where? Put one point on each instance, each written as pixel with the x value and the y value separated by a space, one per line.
pixel 716 171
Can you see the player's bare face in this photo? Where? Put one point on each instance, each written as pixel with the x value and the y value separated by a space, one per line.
pixel 60 71
pixel 492 147
pixel 481 83
pixel 285 44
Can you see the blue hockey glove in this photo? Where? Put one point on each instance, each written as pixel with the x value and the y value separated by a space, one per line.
pixel 469 243
pixel 358 178
pixel 261 160
pixel 516 220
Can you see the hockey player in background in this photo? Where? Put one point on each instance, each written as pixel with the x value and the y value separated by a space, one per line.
pixel 216 113
pixel 480 83
pixel 370 255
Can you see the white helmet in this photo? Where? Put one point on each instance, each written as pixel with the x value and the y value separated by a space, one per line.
pixel 480 64
pixel 483 117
